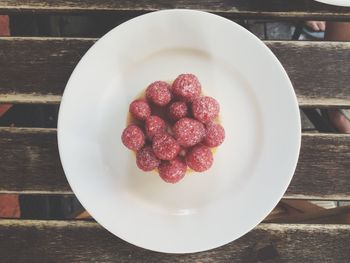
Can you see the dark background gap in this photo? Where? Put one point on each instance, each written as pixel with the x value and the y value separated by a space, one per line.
pixel 27 115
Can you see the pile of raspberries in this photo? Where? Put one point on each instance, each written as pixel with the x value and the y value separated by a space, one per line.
pixel 173 128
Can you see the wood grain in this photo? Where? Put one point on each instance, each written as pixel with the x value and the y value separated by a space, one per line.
pixel 62 241
pixel 323 85
pixel 319 71
pixel 323 168
pixel 30 164
pixel 280 9
pixel 30 161
pixel 36 70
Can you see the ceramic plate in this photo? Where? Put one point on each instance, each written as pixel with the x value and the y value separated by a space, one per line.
pixel 252 168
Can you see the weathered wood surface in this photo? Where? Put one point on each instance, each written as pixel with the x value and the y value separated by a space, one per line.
pixel 323 168
pixel 62 241
pixel 281 9
pixel 30 161
pixel 319 71
pixel 36 70
pixel 30 164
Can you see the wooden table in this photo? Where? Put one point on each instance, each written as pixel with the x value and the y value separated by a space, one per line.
pixel 34 70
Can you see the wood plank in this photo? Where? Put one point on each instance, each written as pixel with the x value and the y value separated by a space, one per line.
pixel 63 241
pixel 280 9
pixel 34 98
pixel 30 161
pixel 55 58
pixel 30 164
pixel 319 71
pixel 323 168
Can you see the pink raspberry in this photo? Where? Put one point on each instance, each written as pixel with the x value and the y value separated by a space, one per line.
pixel 154 125
pixel 205 109
pixel 172 171
pixel 133 137
pixel 178 110
pixel 200 158
pixel 146 160
pixel 215 135
pixel 165 146
pixel 188 132
pixel 140 109
pixel 187 87
pixel 159 93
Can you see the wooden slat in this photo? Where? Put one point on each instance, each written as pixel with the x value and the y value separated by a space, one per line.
pixel 318 70
pixel 62 241
pixel 30 161
pixel 323 168
pixel 30 164
pixel 33 98
pixel 35 70
pixel 280 9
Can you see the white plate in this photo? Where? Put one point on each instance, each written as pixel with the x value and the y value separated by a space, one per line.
pixel 336 2
pixel 253 167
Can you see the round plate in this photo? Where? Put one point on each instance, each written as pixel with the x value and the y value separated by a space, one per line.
pixel 252 168
pixel 336 2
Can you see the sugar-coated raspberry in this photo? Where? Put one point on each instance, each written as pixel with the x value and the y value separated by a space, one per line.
pixel 188 132
pixel 205 109
pixel 154 125
pixel 133 137
pixel 159 93
pixel 165 146
pixel 140 109
pixel 187 87
pixel 146 160
pixel 172 171
pixel 215 135
pixel 200 158
pixel 178 110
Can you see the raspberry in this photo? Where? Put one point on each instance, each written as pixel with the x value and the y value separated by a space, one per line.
pixel 205 109
pixel 215 135
pixel 172 171
pixel 140 109
pixel 154 125
pixel 146 160
pixel 133 137
pixel 165 146
pixel 178 110
pixel 188 132
pixel 159 93
pixel 200 158
pixel 187 87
